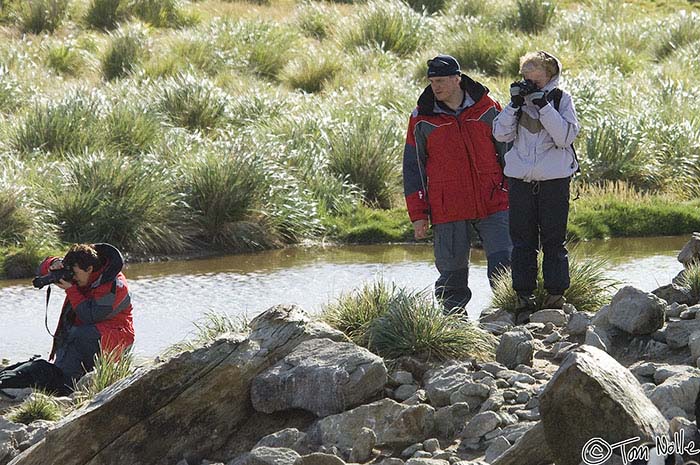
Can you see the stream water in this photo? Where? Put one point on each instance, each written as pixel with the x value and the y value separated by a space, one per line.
pixel 169 296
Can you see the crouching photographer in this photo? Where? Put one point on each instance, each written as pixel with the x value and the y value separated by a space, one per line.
pixel 96 315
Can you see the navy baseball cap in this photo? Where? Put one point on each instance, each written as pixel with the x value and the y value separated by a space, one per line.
pixel 443 65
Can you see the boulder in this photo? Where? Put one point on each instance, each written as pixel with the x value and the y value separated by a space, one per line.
pixel 200 398
pixel 694 344
pixel 267 456
pixel 690 253
pixel 677 391
pixel 363 446
pixel 481 424
pixel 636 312
pixel 554 316
pixel 678 332
pixel 450 420
pixel 320 376
pixel 578 323
pixel 516 347
pixel 608 402
pixel 598 337
pixel 497 447
pixel 319 458
pixel 393 423
pixel 531 449
pixel 673 293
pixel 442 382
pixel 290 438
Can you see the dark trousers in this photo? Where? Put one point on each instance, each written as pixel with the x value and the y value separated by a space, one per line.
pixel 452 246
pixel 539 212
pixel 76 355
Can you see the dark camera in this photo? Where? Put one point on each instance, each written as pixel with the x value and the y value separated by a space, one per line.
pixel 526 87
pixel 53 277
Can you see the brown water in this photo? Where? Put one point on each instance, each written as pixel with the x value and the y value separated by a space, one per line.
pixel 169 296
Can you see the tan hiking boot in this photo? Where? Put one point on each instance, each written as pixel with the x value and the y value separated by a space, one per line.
pixel 554 301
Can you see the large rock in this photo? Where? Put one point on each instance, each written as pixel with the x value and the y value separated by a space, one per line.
pixel 637 312
pixel 677 391
pixel 393 423
pixel 690 253
pixel 678 332
pixel 530 449
pixel 606 401
pixel 673 293
pixel 442 382
pixel 320 376
pixel 516 347
pixel 267 456
pixel 192 406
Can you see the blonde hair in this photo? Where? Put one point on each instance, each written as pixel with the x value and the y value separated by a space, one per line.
pixel 539 60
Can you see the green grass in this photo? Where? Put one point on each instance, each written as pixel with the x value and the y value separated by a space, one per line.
pixel 312 72
pixel 394 322
pixel 620 210
pixel 38 406
pixel 363 225
pixel 391 25
pixel 58 127
pixel 589 289
pixel 110 367
pixel 37 16
pixel 691 280
pixel 534 15
pixel 105 14
pixel 223 191
pixel 130 130
pixel 123 54
pixel 367 150
pixel 208 329
pixel 193 103
pixel 65 60
pixel 105 197
pixel 316 20
pixel 416 326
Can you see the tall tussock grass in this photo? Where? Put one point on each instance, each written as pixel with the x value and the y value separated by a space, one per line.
pixel 589 290
pixel 391 25
pixel 38 406
pixel 110 366
pixel 106 197
pixel 58 127
pixel 367 150
pixel 394 322
pixel 37 16
pixel 193 103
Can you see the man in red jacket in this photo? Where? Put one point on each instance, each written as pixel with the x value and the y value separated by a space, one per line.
pixel 453 179
pixel 96 315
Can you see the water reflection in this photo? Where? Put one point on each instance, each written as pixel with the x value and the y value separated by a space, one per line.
pixel 168 296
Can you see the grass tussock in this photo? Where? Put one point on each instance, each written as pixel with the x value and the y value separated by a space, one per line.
pixel 392 26
pixel 208 329
pixel 125 52
pixel 37 16
pixel 589 289
pixel 38 406
pixel 193 103
pixel 691 280
pixel 367 150
pixel 65 60
pixel 105 197
pixel 110 367
pixel 312 72
pixel 105 14
pixel 393 322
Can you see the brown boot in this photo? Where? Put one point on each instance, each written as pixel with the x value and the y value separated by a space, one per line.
pixel 524 307
pixel 554 301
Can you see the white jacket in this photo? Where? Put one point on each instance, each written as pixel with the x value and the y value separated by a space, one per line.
pixel 541 138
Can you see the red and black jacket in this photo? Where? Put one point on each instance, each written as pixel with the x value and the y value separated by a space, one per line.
pixel 450 166
pixel 105 303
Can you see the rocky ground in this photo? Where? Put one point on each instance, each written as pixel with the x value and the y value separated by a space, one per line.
pixel 295 391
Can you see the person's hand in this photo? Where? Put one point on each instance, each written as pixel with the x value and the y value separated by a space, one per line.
pixel 537 98
pixel 56 264
pixel 420 229
pixel 63 284
pixel 516 100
